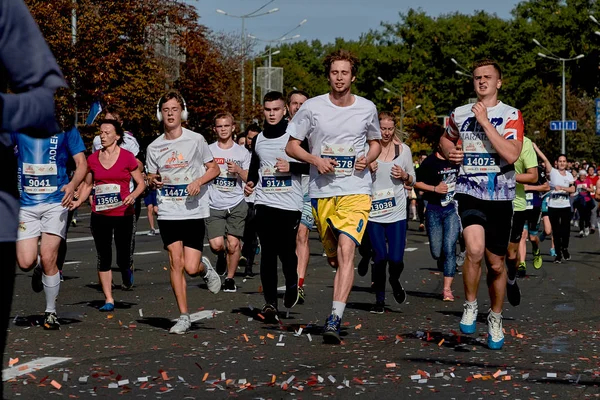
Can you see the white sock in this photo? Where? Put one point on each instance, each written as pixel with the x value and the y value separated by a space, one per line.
pixel 338 308
pixel 472 303
pixel 511 281
pixel 495 315
pixel 51 289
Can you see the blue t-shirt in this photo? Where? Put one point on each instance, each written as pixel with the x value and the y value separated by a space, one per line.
pixel 42 165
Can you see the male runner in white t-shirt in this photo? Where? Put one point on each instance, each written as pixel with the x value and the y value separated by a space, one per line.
pixel 228 208
pixel 492 138
pixel 338 126
pixel 180 166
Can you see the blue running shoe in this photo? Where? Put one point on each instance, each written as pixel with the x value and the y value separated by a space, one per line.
pixel 469 318
pixel 552 252
pixel 331 331
pixel 495 339
pixel 107 307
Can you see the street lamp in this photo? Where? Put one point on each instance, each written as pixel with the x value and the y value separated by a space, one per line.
pixel 265 54
pixel 596 22
pixel 554 57
pixel 253 14
pixel 393 90
pixel 462 71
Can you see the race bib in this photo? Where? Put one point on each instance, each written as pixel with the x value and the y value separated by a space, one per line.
pixel 383 202
pixel 529 200
pixel 344 154
pixel 39 178
pixel 275 182
pixel 449 195
pixel 174 188
pixel 480 156
pixel 225 182
pixel 107 197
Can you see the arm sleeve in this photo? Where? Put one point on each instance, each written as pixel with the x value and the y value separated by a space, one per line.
pixel 529 155
pixel 253 170
pixel 452 129
pixel 246 161
pixel 33 72
pixel 74 142
pixel 132 163
pixel 408 164
pixel 373 129
pixel 207 155
pixel 151 164
pixel 133 145
pixel 300 126
pixel 515 127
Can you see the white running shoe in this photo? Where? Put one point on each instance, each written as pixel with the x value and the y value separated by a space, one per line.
pixel 183 325
pixel 460 258
pixel 495 333
pixel 469 318
pixel 212 279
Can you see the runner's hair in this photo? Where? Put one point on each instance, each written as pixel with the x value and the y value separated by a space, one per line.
pixel 341 55
pixel 484 63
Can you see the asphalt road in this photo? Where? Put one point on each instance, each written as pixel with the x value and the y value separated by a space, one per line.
pixel 412 351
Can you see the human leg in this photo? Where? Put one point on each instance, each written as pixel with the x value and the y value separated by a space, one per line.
pixel 102 232
pixel 288 232
pixel 269 239
pixel 124 232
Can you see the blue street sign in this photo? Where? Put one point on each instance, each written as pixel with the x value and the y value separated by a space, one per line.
pixel 558 125
pixel 597 116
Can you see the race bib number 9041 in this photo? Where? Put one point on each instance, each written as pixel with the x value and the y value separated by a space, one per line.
pixel 39 178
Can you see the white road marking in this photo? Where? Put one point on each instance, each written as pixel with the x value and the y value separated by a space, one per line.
pixel 72 262
pixel 145 253
pixel 90 238
pixel 31 366
pixel 410 249
pixel 206 314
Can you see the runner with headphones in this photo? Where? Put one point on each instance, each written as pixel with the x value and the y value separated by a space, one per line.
pixel 180 166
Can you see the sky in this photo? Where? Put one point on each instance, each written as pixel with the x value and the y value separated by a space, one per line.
pixel 330 19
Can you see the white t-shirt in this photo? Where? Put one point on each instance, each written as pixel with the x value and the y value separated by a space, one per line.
pixel 281 190
pixel 340 133
pixel 180 162
pixel 130 143
pixel 226 190
pixel 559 198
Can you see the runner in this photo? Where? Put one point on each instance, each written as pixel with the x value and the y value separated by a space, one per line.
pixel 338 126
pixel 241 140
pixel 526 168
pixel 152 209
pixel 180 165
pixel 584 202
pixel 46 194
pixel 387 220
pixel 492 138
pixel 228 210
pixel 559 206
pixel 278 204
pixel 251 247
pixel 436 177
pixel 110 171
pixel 295 99
pixel 593 176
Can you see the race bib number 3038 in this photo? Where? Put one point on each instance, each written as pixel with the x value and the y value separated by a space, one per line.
pixel 383 202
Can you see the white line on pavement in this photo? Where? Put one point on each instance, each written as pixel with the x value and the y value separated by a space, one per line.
pixel 90 238
pixel 71 262
pixel 410 249
pixel 206 314
pixel 31 366
pixel 146 253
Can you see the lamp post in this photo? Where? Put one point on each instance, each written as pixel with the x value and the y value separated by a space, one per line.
pixel 254 74
pixel 554 57
pixel 462 71
pixel 596 22
pixel 391 89
pixel 253 14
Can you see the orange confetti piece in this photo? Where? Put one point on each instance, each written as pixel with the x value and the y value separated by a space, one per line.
pixel 13 361
pixel 261 316
pixel 270 336
pixel 497 374
pixel 246 337
pixel 441 342
pixel 358 326
pixel 261 337
pixel 520 336
pixel 109 316
pixel 164 375
pixel 507 378
pixel 56 384
pixel 284 386
pixel 120 323
pixel 390 365
pixel 477 376
pixel 273 378
pixel 205 377
pixel 23 368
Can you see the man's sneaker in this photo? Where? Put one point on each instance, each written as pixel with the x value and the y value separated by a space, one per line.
pixel 229 286
pixel 566 255
pixel 151 232
pixel 291 296
pixel 580 233
pixel 221 263
pixel 495 338
pixel 301 295
pixel 469 318
pixel 74 223
pixel 62 278
pixel 378 308
pixel 363 266
pixel 537 259
pixel 212 280
pixel 36 279
pixel 248 272
pixel 269 311
pixel 460 258
pixel 331 331
pixel 586 232
pixel 513 293
pixel 558 259
pixel 243 261
pixel 51 322
pixel 398 291
pixel 183 325
pixel 447 295
pixel 522 269
pixel 552 252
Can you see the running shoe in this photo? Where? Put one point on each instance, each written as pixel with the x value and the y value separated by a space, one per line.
pixel 522 269
pixel 469 318
pixel 243 261
pixel 269 311
pixel 363 266
pixel 36 279
pixel 211 278
pixel 566 255
pixel 421 228
pixel 447 295
pixel 301 295
pixel 586 232
pixel 398 291
pixel 558 259
pixel 580 234
pixel 378 307
pixel 229 286
pixel 183 325
pixel 331 331
pixel 513 293
pixel 460 258
pixel 495 339
pixel 51 321
pixel 537 259
pixel 151 232
pixel 248 272
pixel 552 252
pixel 291 296
pixel 107 307
pixel 221 263
pixel 74 223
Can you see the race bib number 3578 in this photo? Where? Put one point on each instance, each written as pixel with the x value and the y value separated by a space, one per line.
pixel 343 154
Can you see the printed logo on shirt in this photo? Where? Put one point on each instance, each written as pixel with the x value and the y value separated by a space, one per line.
pixel 176 160
pixel 22 226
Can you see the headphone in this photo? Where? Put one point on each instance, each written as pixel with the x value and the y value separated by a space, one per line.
pixel 184 113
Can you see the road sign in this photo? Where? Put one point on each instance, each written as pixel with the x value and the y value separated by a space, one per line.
pixel 558 125
pixel 597 116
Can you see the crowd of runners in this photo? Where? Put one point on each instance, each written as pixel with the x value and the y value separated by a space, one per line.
pixel 330 162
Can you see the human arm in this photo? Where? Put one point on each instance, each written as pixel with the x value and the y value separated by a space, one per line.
pixel 543 157
pixel 234 168
pixel 78 176
pixel 85 189
pixel 294 149
pixel 508 149
pixel 212 171
pixel 372 155
pixel 545 187
pixel 529 176
pixel 136 174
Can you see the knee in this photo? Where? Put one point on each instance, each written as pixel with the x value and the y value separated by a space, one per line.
pixel 233 246
pixel 103 267
pixel 26 263
pixel 48 260
pixel 475 255
pixel 217 246
pixel 496 269
pixel 177 263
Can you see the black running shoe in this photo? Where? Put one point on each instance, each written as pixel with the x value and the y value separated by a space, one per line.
pixel 36 279
pixel 301 295
pixel 221 264
pixel 331 331
pixel 513 293
pixel 558 259
pixel 269 311
pixel 248 272
pixel 566 255
pixel 378 308
pixel 398 291
pixel 51 322
pixel 229 286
